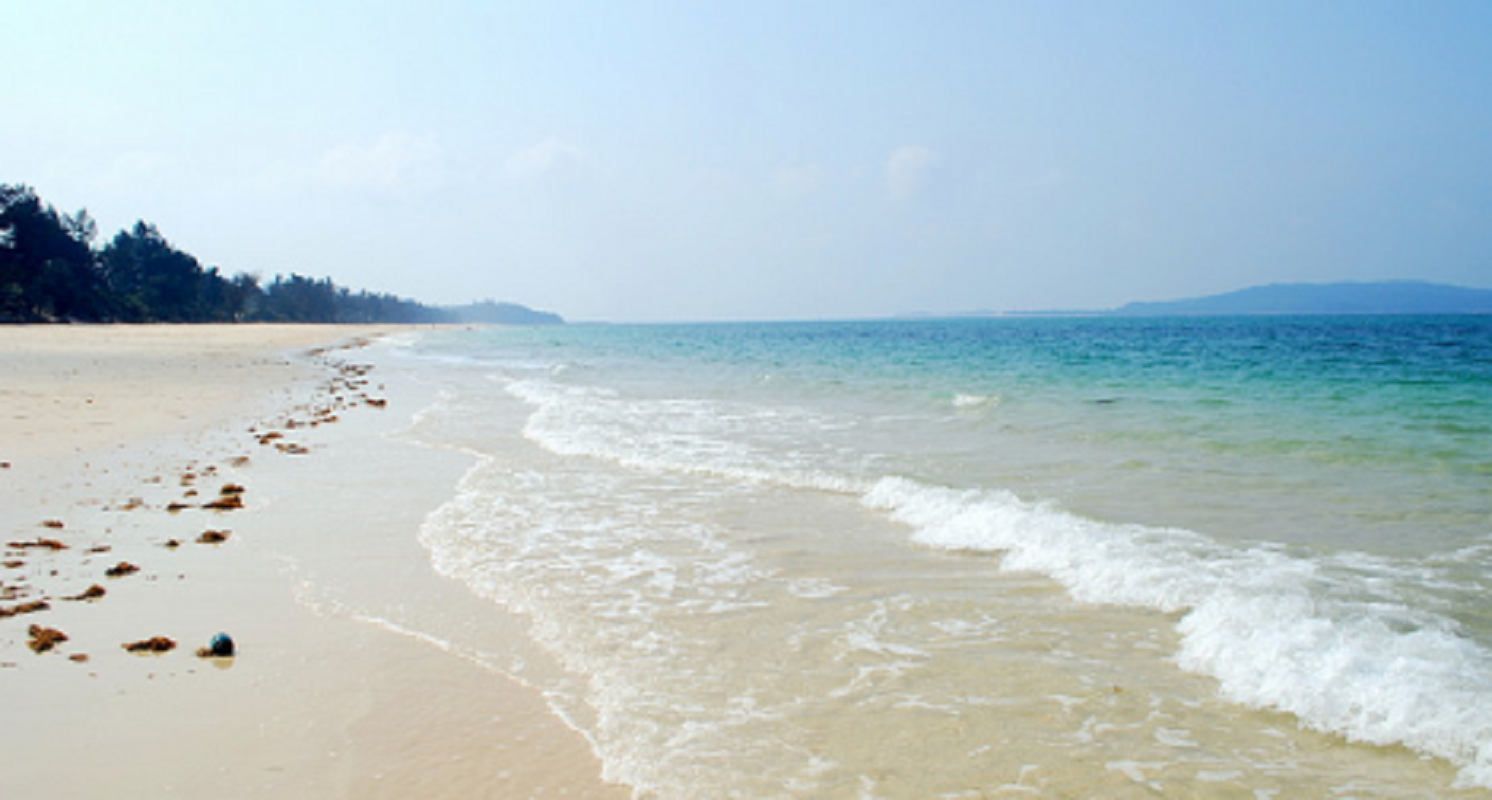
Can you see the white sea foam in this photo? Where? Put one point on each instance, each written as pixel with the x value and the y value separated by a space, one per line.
pixel 970 401
pixel 1277 630
pixel 688 436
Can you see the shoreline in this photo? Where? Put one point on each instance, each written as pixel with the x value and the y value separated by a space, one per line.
pixel 106 429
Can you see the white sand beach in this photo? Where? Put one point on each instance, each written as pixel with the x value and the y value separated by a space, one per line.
pixel 113 440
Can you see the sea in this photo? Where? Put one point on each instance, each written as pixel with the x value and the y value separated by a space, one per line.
pixel 986 557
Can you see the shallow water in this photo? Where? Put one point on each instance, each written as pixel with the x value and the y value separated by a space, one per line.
pixel 1220 557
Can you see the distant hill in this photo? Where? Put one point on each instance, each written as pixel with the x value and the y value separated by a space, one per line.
pixel 1390 297
pixel 489 312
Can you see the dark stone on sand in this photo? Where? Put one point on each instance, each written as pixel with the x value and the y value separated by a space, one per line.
pixel 213 537
pixel 220 646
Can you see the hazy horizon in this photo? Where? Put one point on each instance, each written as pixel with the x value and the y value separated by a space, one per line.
pixel 678 161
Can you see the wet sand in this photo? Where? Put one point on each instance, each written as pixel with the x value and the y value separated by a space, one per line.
pixel 124 447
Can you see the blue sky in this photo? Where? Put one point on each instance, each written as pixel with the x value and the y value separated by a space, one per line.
pixel 767 160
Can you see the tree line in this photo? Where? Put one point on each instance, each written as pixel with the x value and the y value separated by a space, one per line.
pixel 50 271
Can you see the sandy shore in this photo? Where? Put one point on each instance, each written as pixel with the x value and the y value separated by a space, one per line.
pixel 113 443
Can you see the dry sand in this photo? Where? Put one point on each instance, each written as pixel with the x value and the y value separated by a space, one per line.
pixel 102 430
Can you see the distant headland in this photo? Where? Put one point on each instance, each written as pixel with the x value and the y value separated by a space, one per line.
pixel 1387 297
pixel 51 271
pixel 1377 298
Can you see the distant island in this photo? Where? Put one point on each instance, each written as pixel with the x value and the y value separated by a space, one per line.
pixel 493 313
pixel 1380 298
pixel 51 271
pixel 1387 297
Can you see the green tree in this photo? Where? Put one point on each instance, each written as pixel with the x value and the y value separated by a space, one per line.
pixel 151 280
pixel 47 264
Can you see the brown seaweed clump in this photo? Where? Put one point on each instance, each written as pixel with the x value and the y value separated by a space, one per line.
pixel 94 592
pixel 230 503
pixel 44 639
pixel 121 569
pixel 230 497
pixel 213 537
pixel 156 644
pixel 24 608
pixel 45 544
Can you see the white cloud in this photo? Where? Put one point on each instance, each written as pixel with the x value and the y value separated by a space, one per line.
pixel 907 170
pixel 398 161
pixel 545 158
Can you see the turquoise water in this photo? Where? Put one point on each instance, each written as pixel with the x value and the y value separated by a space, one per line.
pixel 1230 519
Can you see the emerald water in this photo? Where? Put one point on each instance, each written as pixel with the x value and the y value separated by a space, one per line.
pixel 1062 556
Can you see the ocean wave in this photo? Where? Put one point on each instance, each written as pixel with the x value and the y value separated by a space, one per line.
pixel 688 436
pixel 1326 639
pixel 1278 631
pixel 969 401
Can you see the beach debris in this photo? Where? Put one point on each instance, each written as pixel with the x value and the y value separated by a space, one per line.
pixel 100 548
pixel 176 507
pixel 16 564
pixel 133 504
pixel 232 502
pixel 213 537
pixel 121 569
pixel 230 497
pixel 220 646
pixel 270 437
pixel 93 592
pixel 239 461
pixel 44 544
pixel 79 658
pixel 44 639
pixel 155 644
pixel 172 544
pixel 377 402
pixel 24 608
pixel 54 524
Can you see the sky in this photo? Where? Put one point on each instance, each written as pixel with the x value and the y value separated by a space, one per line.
pixel 652 161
